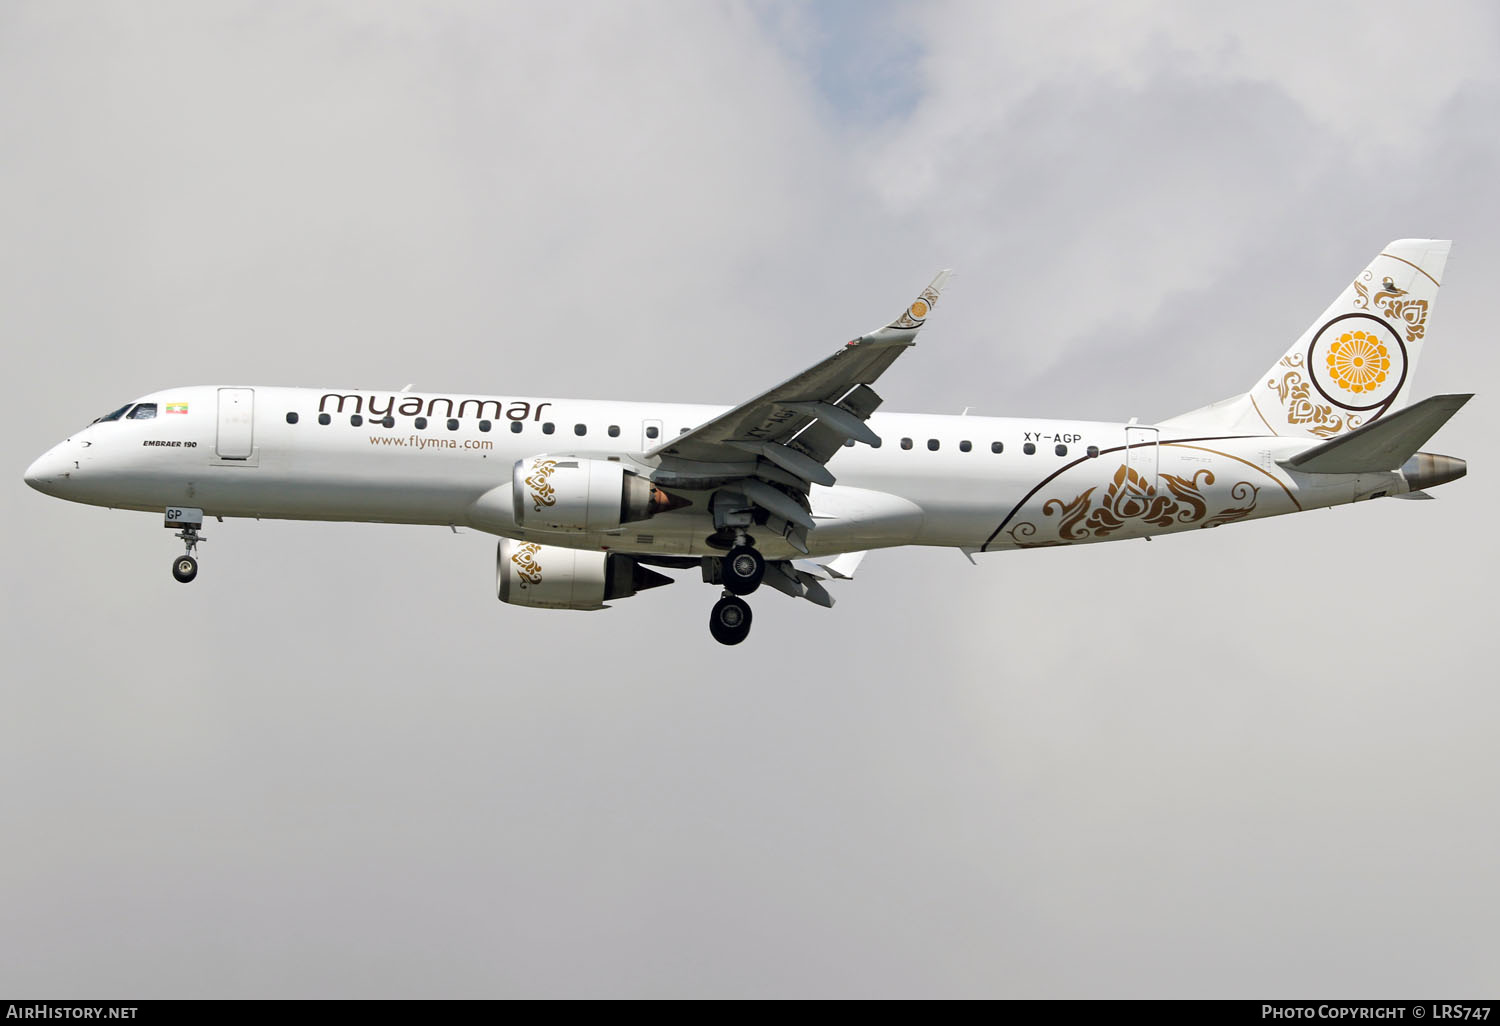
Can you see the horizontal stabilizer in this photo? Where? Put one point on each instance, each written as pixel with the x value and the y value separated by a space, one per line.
pixel 1384 444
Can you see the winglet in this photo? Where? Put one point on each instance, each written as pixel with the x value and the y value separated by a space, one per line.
pixel 905 327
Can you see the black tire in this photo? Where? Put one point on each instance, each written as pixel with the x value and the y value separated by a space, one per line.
pixel 184 568
pixel 729 622
pixel 744 568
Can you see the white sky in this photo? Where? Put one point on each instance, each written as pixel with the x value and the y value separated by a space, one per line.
pixel 1258 762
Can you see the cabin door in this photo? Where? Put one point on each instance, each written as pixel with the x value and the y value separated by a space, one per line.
pixel 1142 458
pixel 236 438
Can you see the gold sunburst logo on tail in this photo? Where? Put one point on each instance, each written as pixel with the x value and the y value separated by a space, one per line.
pixel 1358 361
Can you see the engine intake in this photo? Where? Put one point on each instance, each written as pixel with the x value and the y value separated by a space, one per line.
pixel 557 577
pixel 559 493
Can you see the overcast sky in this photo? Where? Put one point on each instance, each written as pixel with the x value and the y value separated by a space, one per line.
pixel 1259 761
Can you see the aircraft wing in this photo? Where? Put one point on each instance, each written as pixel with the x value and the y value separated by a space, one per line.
pixel 777 445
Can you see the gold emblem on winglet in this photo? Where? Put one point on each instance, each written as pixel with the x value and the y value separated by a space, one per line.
pixel 919 309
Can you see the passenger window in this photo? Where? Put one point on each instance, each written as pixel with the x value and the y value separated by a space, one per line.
pixel 848 443
pixel 484 425
pixel 906 443
pixel 389 422
pixel 614 431
pixel 1029 448
pixel 548 428
pixel 291 418
pixel 145 411
pixel 515 427
pixel 877 443
pixel 324 419
pixel 452 424
pixel 1093 452
pixel 652 432
pixel 932 445
pixel 116 415
pixel 580 430
pixel 997 447
pixel 683 431
pixel 420 423
pixel 965 445
pixel 356 419
pixel 1061 450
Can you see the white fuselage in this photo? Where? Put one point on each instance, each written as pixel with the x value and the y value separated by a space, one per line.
pixel 977 483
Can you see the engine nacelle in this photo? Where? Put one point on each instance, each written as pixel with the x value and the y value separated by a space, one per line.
pixel 561 493
pixel 557 577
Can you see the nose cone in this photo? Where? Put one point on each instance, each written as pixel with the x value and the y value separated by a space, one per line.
pixel 49 471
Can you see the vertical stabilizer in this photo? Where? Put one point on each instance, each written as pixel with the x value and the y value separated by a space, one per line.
pixel 1354 363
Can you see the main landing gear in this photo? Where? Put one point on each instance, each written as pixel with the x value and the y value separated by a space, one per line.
pixel 729 622
pixel 740 571
pixel 743 569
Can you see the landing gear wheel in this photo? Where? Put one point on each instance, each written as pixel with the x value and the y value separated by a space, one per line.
pixel 743 569
pixel 184 568
pixel 729 623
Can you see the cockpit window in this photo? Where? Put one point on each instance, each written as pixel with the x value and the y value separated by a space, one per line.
pixel 115 415
pixel 145 411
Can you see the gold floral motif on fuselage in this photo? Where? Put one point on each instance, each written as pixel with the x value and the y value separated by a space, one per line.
pixel 1130 500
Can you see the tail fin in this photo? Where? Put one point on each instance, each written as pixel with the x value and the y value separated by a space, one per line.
pixel 1356 361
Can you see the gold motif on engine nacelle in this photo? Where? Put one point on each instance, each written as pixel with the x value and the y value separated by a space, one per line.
pixel 542 492
pixel 527 568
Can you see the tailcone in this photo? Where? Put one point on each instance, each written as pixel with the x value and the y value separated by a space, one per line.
pixel 1428 470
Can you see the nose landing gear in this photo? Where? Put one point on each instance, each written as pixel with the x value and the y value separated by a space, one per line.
pixel 185 566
